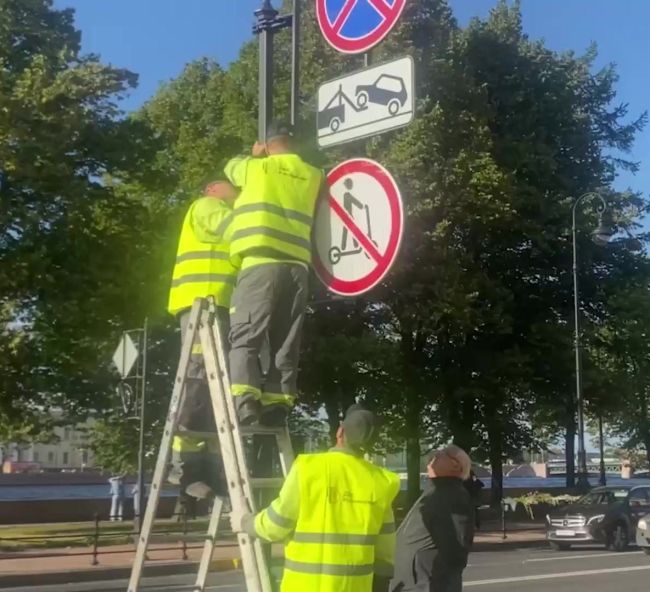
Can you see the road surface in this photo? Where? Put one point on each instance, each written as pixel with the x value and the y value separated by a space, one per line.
pixel 508 570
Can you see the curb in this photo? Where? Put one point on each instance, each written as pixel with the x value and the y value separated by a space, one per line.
pixel 98 573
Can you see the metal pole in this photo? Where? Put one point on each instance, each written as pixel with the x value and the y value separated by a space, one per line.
pixel 94 560
pixel 601 444
pixel 143 397
pixel 266 15
pixel 583 479
pixel 295 63
pixel 583 482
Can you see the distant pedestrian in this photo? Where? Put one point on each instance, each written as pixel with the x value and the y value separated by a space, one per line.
pixel 474 487
pixel 117 497
pixel 434 540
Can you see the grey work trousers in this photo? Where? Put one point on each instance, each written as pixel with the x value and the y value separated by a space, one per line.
pixel 269 305
pixel 196 413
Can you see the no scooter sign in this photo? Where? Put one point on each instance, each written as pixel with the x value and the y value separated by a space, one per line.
pixel 358 227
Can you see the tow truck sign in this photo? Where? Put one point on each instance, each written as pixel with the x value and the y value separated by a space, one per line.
pixel 366 103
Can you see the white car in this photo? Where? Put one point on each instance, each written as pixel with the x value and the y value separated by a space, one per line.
pixel 643 534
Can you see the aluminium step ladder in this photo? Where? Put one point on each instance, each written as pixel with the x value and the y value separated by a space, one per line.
pixel 240 485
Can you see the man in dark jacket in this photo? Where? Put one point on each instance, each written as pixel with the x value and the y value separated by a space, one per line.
pixel 434 540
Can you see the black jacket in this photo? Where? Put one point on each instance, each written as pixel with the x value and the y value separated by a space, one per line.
pixel 435 538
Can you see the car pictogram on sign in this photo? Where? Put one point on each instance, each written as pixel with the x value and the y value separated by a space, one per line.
pixel 387 90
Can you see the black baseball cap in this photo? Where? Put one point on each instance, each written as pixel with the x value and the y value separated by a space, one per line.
pixel 278 128
pixel 359 426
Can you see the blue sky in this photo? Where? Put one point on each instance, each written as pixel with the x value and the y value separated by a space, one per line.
pixel 156 38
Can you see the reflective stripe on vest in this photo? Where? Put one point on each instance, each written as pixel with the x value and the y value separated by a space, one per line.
pixel 343 502
pixel 275 209
pixel 202 269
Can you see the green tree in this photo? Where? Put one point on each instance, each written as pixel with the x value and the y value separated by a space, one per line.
pixel 60 133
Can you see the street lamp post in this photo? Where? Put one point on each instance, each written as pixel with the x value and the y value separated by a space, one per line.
pixel 601 237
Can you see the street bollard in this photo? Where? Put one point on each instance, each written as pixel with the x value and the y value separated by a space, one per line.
pixel 504 536
pixel 184 512
pixel 94 560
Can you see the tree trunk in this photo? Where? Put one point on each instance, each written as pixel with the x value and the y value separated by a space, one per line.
pixel 569 454
pixel 462 424
pixel 496 462
pixel 413 456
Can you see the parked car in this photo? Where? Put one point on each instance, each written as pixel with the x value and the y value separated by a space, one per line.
pixel 643 534
pixel 607 515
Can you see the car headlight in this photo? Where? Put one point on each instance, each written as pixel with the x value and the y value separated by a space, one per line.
pixel 643 524
pixel 596 519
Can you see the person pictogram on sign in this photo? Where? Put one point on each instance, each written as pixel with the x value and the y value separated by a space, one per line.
pixel 350 203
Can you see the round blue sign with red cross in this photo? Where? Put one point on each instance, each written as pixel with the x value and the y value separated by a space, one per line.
pixel 355 26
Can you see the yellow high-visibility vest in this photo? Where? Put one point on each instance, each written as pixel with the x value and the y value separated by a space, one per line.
pixel 274 212
pixel 335 509
pixel 203 268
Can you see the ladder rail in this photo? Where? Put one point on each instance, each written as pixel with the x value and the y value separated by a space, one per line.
pixel 175 404
pixel 242 466
pixel 255 570
pixel 208 545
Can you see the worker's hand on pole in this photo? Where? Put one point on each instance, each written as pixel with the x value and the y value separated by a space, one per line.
pixel 259 149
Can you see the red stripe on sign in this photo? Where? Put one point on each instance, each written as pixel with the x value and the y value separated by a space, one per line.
pixel 382 8
pixel 349 222
pixel 343 15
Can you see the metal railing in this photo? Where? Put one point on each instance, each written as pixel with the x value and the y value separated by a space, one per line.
pixel 105 531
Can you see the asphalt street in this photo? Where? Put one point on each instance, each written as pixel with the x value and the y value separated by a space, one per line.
pixel 539 569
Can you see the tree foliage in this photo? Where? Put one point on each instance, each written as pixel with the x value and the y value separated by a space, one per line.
pixel 469 338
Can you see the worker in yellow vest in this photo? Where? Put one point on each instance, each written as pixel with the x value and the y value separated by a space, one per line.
pixel 335 513
pixel 271 237
pixel 203 268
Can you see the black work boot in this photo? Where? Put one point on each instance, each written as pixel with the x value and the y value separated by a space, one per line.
pixel 275 415
pixel 248 411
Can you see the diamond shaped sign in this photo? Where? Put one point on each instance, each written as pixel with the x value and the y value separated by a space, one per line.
pixel 125 355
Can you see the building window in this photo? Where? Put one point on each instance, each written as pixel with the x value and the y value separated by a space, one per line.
pixel 50 457
pixel 36 457
pixel 66 433
pixel 65 458
pixel 84 457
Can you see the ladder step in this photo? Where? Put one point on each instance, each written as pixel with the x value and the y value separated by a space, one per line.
pixel 266 482
pixel 257 430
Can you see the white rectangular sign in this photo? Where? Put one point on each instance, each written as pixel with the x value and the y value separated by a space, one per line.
pixel 366 103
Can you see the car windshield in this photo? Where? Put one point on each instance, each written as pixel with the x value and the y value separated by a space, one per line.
pixel 389 83
pixel 604 498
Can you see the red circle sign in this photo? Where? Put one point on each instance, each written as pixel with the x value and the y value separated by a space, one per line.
pixel 356 26
pixel 358 227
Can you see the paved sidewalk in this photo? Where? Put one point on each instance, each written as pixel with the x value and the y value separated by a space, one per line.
pixel 74 563
pixel 517 533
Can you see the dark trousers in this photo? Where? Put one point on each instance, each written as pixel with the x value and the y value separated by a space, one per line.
pixel 196 414
pixel 268 306
pixel 428 579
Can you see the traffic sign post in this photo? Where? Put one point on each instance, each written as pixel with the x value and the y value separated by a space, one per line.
pixel 358 227
pixel 125 357
pixel 356 26
pixel 366 103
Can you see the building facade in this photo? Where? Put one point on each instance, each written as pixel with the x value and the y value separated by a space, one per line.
pixel 67 450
